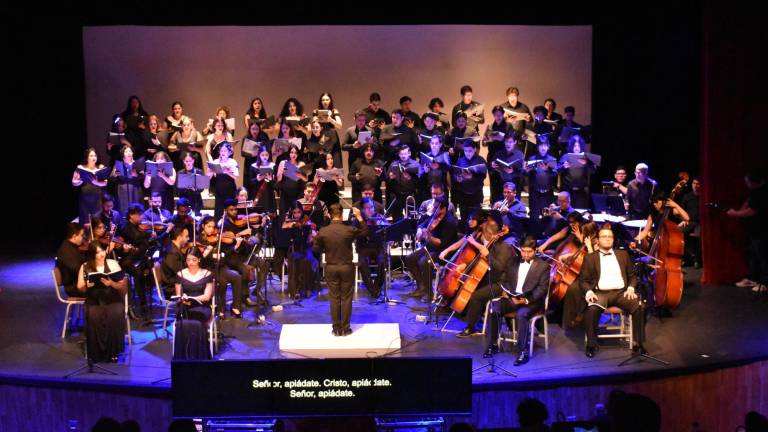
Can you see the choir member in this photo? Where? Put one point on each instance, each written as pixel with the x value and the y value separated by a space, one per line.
pixel 86 177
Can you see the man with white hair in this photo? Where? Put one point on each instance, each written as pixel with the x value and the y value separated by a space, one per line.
pixel 639 192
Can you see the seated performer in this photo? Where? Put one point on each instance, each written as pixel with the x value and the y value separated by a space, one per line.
pixel 368 191
pixel 135 260
pixel 302 265
pixel 528 280
pixel 513 212
pixel 555 222
pixel 608 279
pixel 427 207
pixel 104 301
pixel 370 249
pixel 437 233
pixel 194 287
pixel 315 209
pixel 69 258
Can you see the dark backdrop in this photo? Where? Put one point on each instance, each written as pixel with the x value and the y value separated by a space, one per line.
pixel 646 86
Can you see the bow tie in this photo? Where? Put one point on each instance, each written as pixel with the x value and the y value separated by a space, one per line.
pixel 606 253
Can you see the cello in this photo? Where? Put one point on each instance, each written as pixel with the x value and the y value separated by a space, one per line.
pixel 564 273
pixel 475 268
pixel 667 249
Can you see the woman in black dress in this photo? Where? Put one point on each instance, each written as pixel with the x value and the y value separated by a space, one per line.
pixel 128 180
pixel 194 286
pixel 263 185
pixel 193 195
pixel 329 190
pixel 104 305
pixel 224 184
pixel 290 189
pixel 575 178
pixel 254 134
pixel 91 188
pixel 161 183
pixel 326 103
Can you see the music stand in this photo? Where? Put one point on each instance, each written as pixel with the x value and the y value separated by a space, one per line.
pixel 391 233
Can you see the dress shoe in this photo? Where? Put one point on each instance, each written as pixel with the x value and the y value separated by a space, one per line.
pixel 336 332
pixel 522 358
pixel 491 350
pixel 236 313
pixel 639 349
pixel 466 333
pixel 590 352
pixel 347 331
pixel 759 288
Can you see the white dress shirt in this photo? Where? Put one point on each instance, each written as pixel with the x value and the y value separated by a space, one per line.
pixel 522 272
pixel 610 272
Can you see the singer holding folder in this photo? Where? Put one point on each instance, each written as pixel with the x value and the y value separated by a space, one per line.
pixel 104 285
pixel 90 177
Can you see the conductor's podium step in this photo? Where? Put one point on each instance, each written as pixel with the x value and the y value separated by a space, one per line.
pixel 317 340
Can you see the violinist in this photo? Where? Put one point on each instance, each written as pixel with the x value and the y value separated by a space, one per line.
pixel 237 251
pixel 302 265
pixel 135 261
pixel 437 233
pixel 173 258
pixel 402 181
pixel 208 242
pixel 184 217
pixel 106 238
pixel 608 279
pixel 370 249
pixel 528 280
pixel 156 218
pixel 108 214
pixel 70 257
pixel 314 209
pixel 369 192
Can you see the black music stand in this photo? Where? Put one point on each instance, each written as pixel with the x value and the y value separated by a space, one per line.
pixel 392 233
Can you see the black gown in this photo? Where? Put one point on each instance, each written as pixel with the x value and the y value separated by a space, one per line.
pixel 191 339
pixel 105 317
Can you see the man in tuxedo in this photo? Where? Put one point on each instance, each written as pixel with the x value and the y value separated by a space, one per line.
pixel 528 281
pixel 608 279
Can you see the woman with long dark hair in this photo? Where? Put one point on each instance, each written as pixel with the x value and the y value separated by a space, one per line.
pixel 104 304
pixel 162 183
pixel 127 176
pixel 223 184
pixel 86 177
pixel 194 287
pixel 262 175
pixel 133 112
pixel 325 102
pixel 254 134
pixel 290 189
pixel 256 111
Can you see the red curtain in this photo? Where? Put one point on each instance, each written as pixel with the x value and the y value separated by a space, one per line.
pixel 734 133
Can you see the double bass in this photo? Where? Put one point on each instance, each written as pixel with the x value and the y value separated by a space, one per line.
pixel 667 248
pixel 465 283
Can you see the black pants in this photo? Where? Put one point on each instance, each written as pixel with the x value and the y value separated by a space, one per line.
pixel 134 266
pixel 367 258
pixel 523 315
pixel 614 298
pixel 692 243
pixel 420 268
pixel 757 254
pixel 341 284
pixel 573 305
pixel 228 276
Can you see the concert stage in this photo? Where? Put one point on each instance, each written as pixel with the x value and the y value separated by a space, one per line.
pixel 716 338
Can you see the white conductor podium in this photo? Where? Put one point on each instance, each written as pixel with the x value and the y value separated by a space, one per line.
pixel 317 341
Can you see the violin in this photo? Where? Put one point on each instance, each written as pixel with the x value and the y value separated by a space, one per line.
pixel 432 223
pixel 156 226
pixel 377 220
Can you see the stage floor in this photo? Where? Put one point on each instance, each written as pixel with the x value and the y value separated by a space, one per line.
pixel 715 326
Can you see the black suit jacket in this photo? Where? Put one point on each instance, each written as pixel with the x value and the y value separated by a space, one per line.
pixel 590 270
pixel 536 281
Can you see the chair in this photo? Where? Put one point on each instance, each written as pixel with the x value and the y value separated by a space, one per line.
pixel 532 327
pixel 213 329
pixel 485 320
pixel 622 330
pixel 158 276
pixel 127 322
pixel 78 302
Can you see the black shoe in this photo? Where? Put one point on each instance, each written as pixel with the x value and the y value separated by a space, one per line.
pixel 639 349
pixel 336 332
pixel 491 350
pixel 347 331
pixel 590 352
pixel 522 358
pixel 236 313
pixel 466 333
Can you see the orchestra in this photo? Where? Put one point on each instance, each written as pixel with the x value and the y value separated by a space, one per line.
pixel 500 212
